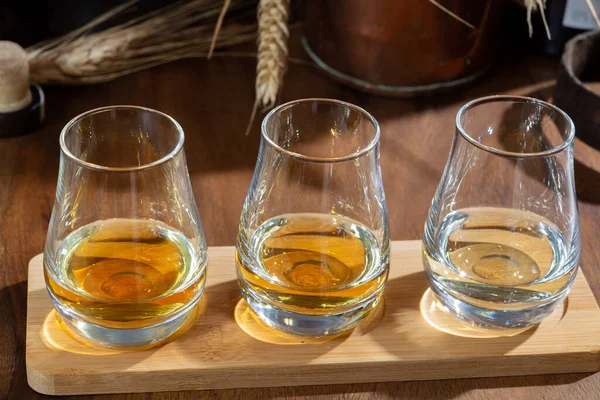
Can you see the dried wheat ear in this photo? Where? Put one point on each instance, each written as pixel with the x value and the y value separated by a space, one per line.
pixel 182 30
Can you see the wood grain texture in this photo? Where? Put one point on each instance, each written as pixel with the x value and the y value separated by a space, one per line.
pixel 212 100
pixel 228 348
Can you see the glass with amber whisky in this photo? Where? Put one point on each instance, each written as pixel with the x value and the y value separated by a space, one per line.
pixel 313 247
pixel 125 254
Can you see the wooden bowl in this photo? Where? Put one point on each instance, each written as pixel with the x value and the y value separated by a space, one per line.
pixel 578 86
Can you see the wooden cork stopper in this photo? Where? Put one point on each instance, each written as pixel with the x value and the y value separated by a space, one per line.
pixel 14 77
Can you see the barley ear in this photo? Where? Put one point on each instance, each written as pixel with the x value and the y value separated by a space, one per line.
pixel 273 36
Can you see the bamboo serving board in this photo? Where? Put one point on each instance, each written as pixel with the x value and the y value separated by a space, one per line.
pixel 227 348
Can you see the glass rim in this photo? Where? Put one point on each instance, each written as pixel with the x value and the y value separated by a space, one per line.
pixel 303 157
pixel 517 99
pixel 167 157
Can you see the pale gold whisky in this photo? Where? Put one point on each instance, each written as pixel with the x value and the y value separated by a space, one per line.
pixel 500 258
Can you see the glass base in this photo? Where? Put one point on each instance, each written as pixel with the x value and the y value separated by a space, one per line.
pixel 498 319
pixel 127 338
pixel 306 324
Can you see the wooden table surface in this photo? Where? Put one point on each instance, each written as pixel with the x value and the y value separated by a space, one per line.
pixel 212 100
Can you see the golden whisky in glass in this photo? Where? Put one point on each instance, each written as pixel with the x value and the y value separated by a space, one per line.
pixel 313 243
pixel 126 273
pixel 317 263
pixel 501 244
pixel 125 256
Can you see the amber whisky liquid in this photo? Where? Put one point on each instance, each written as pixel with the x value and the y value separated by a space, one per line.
pixel 316 264
pixel 126 273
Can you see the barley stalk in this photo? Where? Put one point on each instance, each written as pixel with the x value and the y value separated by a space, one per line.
pixel 453 15
pixel 532 5
pixel 593 12
pixel 181 30
pixel 213 42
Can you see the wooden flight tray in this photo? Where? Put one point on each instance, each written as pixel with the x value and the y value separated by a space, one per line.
pixel 227 348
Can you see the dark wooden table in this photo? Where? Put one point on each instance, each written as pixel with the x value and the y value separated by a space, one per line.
pixel 212 100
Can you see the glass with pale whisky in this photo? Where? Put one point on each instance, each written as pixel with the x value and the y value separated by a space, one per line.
pixel 313 247
pixel 125 254
pixel 501 244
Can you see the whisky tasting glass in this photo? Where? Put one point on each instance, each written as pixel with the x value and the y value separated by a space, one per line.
pixel 125 253
pixel 313 246
pixel 501 243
